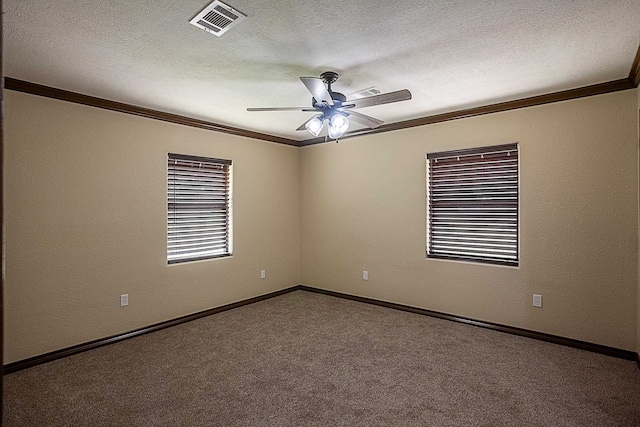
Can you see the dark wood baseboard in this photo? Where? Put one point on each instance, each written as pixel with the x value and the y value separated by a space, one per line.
pixel 69 351
pixel 583 345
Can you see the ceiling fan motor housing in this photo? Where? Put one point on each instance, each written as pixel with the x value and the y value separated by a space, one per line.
pixel 337 97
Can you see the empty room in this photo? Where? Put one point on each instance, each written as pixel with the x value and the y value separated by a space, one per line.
pixel 297 213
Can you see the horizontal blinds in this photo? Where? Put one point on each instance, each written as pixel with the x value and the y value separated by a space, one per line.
pixel 473 205
pixel 198 202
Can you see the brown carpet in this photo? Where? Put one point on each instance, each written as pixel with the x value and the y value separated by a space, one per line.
pixel 304 359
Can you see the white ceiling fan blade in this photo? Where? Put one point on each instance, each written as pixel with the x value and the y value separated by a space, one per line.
pixel 363 119
pixel 318 89
pixel 281 109
pixel 383 98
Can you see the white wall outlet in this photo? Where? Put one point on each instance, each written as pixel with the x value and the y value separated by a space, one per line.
pixel 124 300
pixel 365 275
pixel 537 300
pixel 263 274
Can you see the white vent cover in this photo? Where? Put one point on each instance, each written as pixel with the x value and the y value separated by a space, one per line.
pixel 370 91
pixel 217 18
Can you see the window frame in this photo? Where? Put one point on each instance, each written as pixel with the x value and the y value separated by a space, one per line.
pixel 226 166
pixel 478 257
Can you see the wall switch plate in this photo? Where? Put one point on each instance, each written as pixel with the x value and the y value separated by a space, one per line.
pixel 537 300
pixel 124 300
pixel 365 275
pixel 263 274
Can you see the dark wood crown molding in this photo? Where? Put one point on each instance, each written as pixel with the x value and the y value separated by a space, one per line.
pixel 632 81
pixel 64 95
pixel 634 74
pixel 565 95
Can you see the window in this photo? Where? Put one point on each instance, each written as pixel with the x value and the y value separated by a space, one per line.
pixel 472 205
pixel 199 208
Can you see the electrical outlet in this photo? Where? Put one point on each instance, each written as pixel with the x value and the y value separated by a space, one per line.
pixel 124 300
pixel 365 275
pixel 263 274
pixel 537 300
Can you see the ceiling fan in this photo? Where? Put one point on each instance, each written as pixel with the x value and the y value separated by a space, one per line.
pixel 334 108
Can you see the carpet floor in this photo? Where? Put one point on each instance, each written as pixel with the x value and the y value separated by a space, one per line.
pixel 305 359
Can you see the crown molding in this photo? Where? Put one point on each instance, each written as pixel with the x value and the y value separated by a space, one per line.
pixel 597 89
pixel 634 74
pixel 92 101
pixel 631 82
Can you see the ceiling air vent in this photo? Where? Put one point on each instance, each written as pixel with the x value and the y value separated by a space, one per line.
pixel 364 93
pixel 217 18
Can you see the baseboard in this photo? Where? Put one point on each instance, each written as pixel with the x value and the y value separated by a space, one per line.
pixel 69 351
pixel 583 345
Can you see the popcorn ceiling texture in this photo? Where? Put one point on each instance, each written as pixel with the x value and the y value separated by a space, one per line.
pixel 449 54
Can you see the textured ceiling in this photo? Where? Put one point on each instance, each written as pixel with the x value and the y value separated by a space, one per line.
pixel 450 54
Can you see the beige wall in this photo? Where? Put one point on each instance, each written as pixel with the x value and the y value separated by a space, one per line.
pixel 85 214
pixel 85 222
pixel 363 208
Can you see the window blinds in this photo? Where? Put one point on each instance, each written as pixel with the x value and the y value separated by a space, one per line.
pixel 473 205
pixel 199 208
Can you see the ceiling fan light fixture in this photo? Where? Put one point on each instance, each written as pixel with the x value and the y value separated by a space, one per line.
pixel 334 107
pixel 338 125
pixel 314 126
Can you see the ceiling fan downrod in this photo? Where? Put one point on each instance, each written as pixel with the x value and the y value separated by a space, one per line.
pixel 330 77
